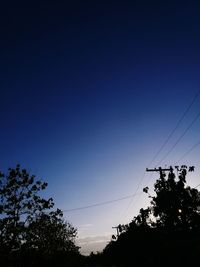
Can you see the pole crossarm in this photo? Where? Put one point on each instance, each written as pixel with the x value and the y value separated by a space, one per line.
pixel 117 228
pixel 159 169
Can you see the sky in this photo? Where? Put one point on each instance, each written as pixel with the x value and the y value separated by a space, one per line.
pixel 89 92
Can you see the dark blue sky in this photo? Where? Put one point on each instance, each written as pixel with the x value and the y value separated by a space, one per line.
pixel 89 90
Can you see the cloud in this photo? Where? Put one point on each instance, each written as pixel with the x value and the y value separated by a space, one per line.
pixel 93 243
pixel 87 225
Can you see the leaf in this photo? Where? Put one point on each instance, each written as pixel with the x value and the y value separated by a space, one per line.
pixel 145 190
pixel 191 169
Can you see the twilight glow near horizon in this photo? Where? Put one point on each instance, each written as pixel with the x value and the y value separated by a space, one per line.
pixel 89 93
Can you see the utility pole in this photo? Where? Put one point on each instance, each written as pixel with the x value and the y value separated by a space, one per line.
pixel 117 228
pixel 161 170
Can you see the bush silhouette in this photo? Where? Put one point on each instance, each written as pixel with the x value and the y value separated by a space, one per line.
pixel 167 233
pixel 31 233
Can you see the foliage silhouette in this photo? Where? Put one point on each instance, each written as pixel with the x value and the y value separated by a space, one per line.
pixel 19 204
pixel 30 232
pixel 167 232
pixel 49 233
pixel 176 206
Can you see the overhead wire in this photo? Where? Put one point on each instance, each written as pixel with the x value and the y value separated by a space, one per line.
pixel 168 138
pixel 124 214
pixel 105 202
pixel 180 137
pixel 188 152
pixel 176 127
pixel 101 203
pixel 155 156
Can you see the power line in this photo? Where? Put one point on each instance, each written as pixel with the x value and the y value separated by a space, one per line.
pixel 180 137
pixel 166 141
pixel 106 202
pixel 175 128
pixel 101 203
pixel 197 186
pixel 188 151
pixel 131 200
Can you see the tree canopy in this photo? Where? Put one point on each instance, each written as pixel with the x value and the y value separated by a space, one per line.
pixel 28 222
pixel 167 232
pixel 175 205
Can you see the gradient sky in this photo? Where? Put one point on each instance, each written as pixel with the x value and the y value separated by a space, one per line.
pixel 89 91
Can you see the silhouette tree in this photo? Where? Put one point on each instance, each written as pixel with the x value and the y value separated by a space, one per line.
pixel 29 229
pixel 167 233
pixel 19 203
pixel 175 205
pixel 49 234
